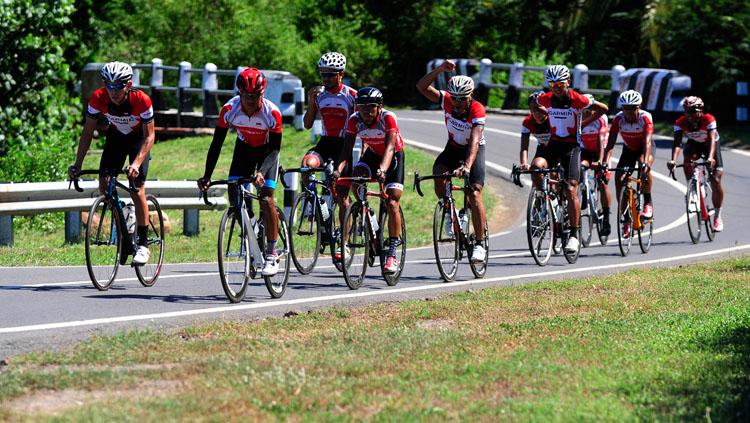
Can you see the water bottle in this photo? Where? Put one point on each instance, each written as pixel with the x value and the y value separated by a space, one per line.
pixel 463 218
pixel 129 212
pixel 324 212
pixel 373 221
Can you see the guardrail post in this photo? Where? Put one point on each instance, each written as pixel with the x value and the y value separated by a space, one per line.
pixel 6 230
pixel 515 82
pixel 482 91
pixel 742 101
pixel 299 108
pixel 581 77
pixel 184 100
pixel 136 75
pixel 72 227
pixel 290 190
pixel 615 89
pixel 209 82
pixel 157 81
pixel 190 222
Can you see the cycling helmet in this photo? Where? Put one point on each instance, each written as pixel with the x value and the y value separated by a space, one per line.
pixel 369 95
pixel 629 98
pixel 460 86
pixel 692 103
pixel 332 60
pixel 251 80
pixel 556 73
pixel 116 72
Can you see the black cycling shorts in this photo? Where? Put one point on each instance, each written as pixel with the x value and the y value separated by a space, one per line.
pixel 449 158
pixel 247 160
pixel 568 154
pixel 118 147
pixel 590 156
pixel 394 176
pixel 701 149
pixel 628 158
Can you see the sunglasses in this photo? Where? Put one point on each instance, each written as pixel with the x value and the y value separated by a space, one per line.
pixel 553 84
pixel 461 99
pixel 250 96
pixel 630 108
pixel 328 74
pixel 116 87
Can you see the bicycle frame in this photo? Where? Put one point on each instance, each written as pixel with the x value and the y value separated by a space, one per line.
pixel 449 200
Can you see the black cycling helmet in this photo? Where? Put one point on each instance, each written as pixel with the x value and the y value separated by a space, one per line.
pixel 369 95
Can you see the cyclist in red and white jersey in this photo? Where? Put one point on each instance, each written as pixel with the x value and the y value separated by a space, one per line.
pixel 382 157
pixel 333 103
pixel 702 140
pixel 130 135
pixel 256 152
pixel 536 123
pixel 594 138
pixel 465 120
pixel 636 127
pixel 563 106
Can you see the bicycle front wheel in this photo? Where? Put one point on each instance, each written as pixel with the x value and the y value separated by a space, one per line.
pixel 103 243
pixel 304 240
pixel 624 222
pixel 445 243
pixel 570 256
pixel 276 284
pixel 355 245
pixel 479 269
pixel 539 226
pixel 710 212
pixel 392 278
pixel 587 215
pixel 233 255
pixel 646 234
pixel 149 272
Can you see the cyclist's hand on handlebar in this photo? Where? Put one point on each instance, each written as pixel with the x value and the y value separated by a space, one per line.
pixel 458 173
pixel 711 162
pixel 524 166
pixel 73 172
pixel 671 164
pixel 259 180
pixel 380 174
pixel 335 174
pixel 203 184
pixel 645 168
pixel 133 171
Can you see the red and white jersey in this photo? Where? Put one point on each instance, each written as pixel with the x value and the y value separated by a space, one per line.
pixel 563 114
pixel 459 128
pixel 374 136
pixel 334 108
pixel 697 132
pixel 633 134
pixel 594 133
pixel 541 131
pixel 126 117
pixel 254 129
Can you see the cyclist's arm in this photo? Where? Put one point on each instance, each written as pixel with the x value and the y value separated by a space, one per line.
pixel 148 142
pixel 272 158
pixel 346 152
pixel 602 144
pixel 471 155
pixel 676 145
pixel 712 135
pixel 85 141
pixel 599 109
pixel 312 110
pixel 390 148
pixel 213 152
pixel 424 85
pixel 647 145
pixel 524 154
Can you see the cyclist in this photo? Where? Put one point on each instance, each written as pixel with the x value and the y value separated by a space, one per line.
pixel 563 105
pixel 702 140
pixel 594 138
pixel 464 119
pixel 129 134
pixel 537 123
pixel 636 128
pixel 382 157
pixel 333 103
pixel 256 151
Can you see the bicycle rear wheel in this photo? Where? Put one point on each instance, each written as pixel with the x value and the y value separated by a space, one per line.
pixel 445 245
pixel 103 243
pixel 624 222
pixel 693 209
pixel 149 272
pixel 392 278
pixel 479 269
pixel 233 255
pixel 334 236
pixel 570 256
pixel 710 212
pixel 276 284
pixel 355 245
pixel 539 226
pixel 587 215
pixel 304 239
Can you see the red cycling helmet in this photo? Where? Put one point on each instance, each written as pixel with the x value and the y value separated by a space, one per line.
pixel 251 80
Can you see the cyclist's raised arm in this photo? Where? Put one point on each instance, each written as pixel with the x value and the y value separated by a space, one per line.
pixel 599 109
pixel 424 85
pixel 312 106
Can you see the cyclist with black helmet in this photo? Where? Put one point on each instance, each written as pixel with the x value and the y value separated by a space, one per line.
pixel 256 151
pixel 465 120
pixel 702 141
pixel 129 134
pixel 382 157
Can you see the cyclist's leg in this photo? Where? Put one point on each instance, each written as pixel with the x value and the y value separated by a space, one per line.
pixel 628 158
pixel 648 182
pixel 139 198
pixel 394 187
pixel 476 179
pixel 267 204
pixel 716 187
pixel 691 152
pixel 572 164
pixel 446 161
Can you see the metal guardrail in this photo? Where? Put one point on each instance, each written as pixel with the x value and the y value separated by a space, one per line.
pixel 30 198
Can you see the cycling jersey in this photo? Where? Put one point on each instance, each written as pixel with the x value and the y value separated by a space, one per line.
pixel 594 133
pixel 459 126
pixel 633 134
pixel 334 108
pixel 126 117
pixel 374 136
pixel 698 131
pixel 253 130
pixel 541 131
pixel 563 114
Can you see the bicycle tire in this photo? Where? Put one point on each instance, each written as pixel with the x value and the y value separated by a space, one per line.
pixel 571 257
pixel 355 236
pixel 710 212
pixel 334 236
pixel 148 273
pixel 586 220
pixel 391 279
pixel 479 269
pixel 444 245
pixel 233 243
pixel 277 283
pixel 305 233
pixel 540 226
pixel 102 232
pixel 624 216
pixel 692 208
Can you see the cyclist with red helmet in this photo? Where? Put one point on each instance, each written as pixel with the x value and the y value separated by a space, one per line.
pixel 129 135
pixel 702 141
pixel 464 120
pixel 594 140
pixel 382 157
pixel 256 151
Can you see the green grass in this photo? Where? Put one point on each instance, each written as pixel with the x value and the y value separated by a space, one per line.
pixel 654 345
pixel 40 240
pixel 736 136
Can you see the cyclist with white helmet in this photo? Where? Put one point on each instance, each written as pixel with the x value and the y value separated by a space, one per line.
pixel 536 123
pixel 563 106
pixel 594 141
pixel 464 119
pixel 702 141
pixel 636 127
pixel 129 135
pixel 256 152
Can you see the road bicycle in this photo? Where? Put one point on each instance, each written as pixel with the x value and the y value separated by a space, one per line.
pixel 547 218
pixel 313 220
pixel 111 236
pixel 696 204
pixel 362 234
pixel 453 245
pixel 592 212
pixel 241 244
pixel 629 204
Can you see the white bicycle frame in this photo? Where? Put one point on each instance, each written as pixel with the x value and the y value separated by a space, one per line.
pixel 250 226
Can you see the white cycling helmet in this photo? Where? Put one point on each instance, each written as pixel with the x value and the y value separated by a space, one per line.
pixel 629 98
pixel 116 72
pixel 692 103
pixel 460 86
pixel 332 60
pixel 556 73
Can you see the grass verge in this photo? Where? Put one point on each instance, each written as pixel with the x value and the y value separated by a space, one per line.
pixel 659 344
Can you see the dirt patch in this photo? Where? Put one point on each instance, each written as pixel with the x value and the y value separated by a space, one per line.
pixel 435 324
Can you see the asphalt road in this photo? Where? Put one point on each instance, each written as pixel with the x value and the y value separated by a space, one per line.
pixel 51 307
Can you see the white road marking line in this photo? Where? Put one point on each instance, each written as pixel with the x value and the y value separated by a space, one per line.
pixel 270 304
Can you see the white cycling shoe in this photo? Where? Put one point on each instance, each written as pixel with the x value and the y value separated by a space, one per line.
pixel 479 254
pixel 141 256
pixel 271 266
pixel 572 245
